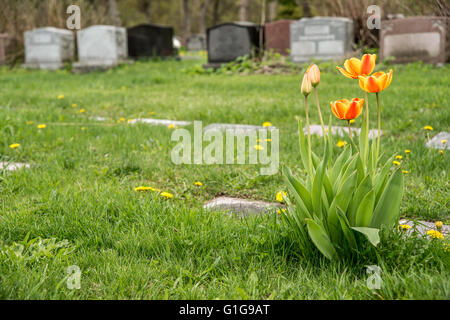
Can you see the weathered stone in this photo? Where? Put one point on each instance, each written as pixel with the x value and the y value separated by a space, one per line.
pixel 423 226
pixel 278 36
pixel 316 129
pixel 101 48
pixel 238 128
pixel 241 207
pixel 414 39
pixel 48 48
pixel 321 38
pixel 436 142
pixel 13 166
pixel 150 40
pixel 196 42
pixel 161 122
pixel 226 42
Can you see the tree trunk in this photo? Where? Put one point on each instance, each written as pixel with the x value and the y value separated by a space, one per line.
pixel 145 6
pixel 273 10
pixel 204 11
pixel 306 8
pixel 114 13
pixel 216 12
pixel 243 10
pixel 186 20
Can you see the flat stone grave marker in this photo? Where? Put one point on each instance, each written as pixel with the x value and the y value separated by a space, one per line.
pixel 278 36
pixel 196 42
pixel 228 41
pixel 162 122
pixel 3 44
pixel 414 39
pixel 150 40
pixel 241 207
pixel 436 142
pixel 423 226
pixel 48 48
pixel 101 48
pixel 322 38
pixel 13 166
pixel 340 131
pixel 238 128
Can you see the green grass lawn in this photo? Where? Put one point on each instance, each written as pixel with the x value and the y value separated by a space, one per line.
pixel 131 245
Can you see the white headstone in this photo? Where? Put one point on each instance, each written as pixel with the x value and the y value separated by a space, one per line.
pixel 316 129
pixel 241 207
pixel 161 122
pixel 440 141
pixel 13 166
pixel 48 48
pixel 238 128
pixel 101 47
pixel 321 38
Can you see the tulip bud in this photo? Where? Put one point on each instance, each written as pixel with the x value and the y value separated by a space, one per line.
pixel 313 74
pixel 306 85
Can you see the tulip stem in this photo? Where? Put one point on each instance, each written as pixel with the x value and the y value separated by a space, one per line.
pixel 320 113
pixel 366 149
pixel 350 130
pixel 379 125
pixel 309 138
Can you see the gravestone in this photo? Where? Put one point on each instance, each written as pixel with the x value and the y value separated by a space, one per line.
pixel 414 39
pixel 196 42
pixel 13 166
pixel 278 36
pixel 228 41
pixel 48 48
pixel 440 141
pixel 241 207
pixel 3 44
pixel 150 40
pixel 101 48
pixel 316 129
pixel 161 122
pixel 421 227
pixel 321 38
pixel 237 128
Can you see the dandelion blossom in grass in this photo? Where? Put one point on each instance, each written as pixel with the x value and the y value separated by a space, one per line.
pixel 42 126
pixel 142 188
pixel 439 224
pixel 82 110
pixel 198 184
pixel 341 143
pixel 280 195
pixel 14 145
pixel 405 172
pixel 29 123
pixel 166 195
pixel 404 227
pixel 130 120
pixel 407 151
pixel 60 97
pixel 435 234
pixel 399 157
pixel 171 126
pixel 268 140
pixel 441 151
pixel 428 128
pixel 267 124
pixel 280 211
pixel 122 119
pixel 352 121
pixel 74 105
pixel 397 163
pixel 443 141
pixel 258 147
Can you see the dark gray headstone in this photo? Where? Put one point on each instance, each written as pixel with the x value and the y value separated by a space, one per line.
pixel 150 40
pixel 196 42
pixel 228 41
pixel 322 38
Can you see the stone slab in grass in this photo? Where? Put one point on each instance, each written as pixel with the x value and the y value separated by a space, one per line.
pixel 241 207
pixel 13 166
pixel 237 128
pixel 337 130
pixel 161 122
pixel 423 226
pixel 436 142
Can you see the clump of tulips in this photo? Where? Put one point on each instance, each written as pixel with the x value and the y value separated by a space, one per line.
pixel 346 198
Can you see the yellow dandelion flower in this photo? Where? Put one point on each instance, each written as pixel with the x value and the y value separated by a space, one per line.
pixel 439 225
pixel 83 128
pixel 166 195
pixel 428 128
pixel 130 120
pixel 198 184
pixel 268 140
pixel 399 157
pixel 82 110
pixel 441 151
pixel 435 234
pixel 396 163
pixel 42 126
pixel 142 188
pixel 267 124
pixel 258 147
pixel 74 105
pixel 29 123
pixel 352 121
pixel 407 151
pixel 171 126
pixel 60 97
pixel 14 145
pixel 280 211
pixel 341 143
pixel 443 141
pixel 122 119
pixel 404 227
pixel 280 195
pixel 405 172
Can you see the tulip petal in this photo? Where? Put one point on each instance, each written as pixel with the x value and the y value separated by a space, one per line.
pixel 362 83
pixel 353 66
pixel 372 84
pixel 368 64
pixel 341 107
pixel 333 109
pixel 346 73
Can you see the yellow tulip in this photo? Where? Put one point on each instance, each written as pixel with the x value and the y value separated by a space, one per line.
pixel 377 82
pixel 355 67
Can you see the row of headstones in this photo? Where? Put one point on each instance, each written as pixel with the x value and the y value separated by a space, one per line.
pixel 98 46
pixel 323 38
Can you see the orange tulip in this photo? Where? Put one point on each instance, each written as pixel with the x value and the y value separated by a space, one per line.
pixel 306 87
pixel 313 72
pixel 376 82
pixel 355 67
pixel 347 110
